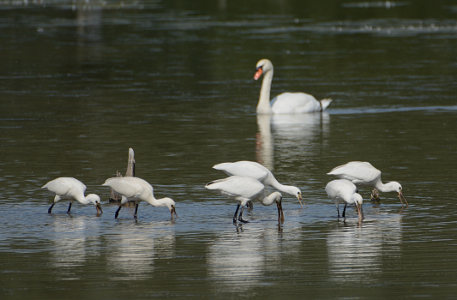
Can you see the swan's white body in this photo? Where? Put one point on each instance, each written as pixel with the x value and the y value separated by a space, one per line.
pixel 137 189
pixel 363 173
pixel 244 189
pixel 257 171
pixel 70 188
pixel 342 190
pixel 285 103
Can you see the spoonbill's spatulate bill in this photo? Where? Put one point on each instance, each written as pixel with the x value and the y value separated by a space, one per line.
pixel 244 189
pixel 285 103
pixel 363 173
pixel 70 188
pixel 137 189
pixel 259 172
pixel 342 190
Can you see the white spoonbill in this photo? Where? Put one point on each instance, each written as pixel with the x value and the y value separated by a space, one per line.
pixel 244 189
pixel 285 103
pixel 343 190
pixel 70 188
pixel 257 171
pixel 363 173
pixel 137 189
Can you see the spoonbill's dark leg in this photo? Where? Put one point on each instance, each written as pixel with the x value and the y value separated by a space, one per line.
pixel 236 213
pixel 344 210
pixel 240 217
pixel 136 211
pixel 69 207
pixel 50 207
pixel 338 210
pixel 117 212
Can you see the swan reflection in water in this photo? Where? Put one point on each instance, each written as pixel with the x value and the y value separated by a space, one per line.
pixel 132 250
pixel 289 135
pixel 239 261
pixel 74 240
pixel 356 253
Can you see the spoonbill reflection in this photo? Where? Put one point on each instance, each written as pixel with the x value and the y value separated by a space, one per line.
pixel 134 250
pixel 137 189
pixel 258 172
pixel 285 103
pixel 244 189
pixel 344 190
pixel 71 189
pixel 360 253
pixel 363 173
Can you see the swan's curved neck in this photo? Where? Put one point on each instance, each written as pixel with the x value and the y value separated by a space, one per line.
pixel 263 106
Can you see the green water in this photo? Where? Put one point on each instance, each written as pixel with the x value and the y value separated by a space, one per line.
pixel 81 83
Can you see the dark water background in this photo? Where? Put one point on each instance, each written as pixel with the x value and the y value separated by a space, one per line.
pixel 81 82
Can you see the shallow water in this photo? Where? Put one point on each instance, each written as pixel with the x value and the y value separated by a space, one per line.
pixel 81 83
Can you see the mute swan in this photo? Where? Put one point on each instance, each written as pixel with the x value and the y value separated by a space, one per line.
pixel 285 103
pixel 363 173
pixel 72 189
pixel 137 189
pixel 344 190
pixel 244 189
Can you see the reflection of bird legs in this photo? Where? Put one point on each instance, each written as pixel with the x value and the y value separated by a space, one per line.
pixel 375 195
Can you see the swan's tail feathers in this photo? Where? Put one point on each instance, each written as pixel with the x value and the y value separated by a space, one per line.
pixel 325 103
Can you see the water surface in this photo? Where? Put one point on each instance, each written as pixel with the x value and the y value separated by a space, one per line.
pixel 83 82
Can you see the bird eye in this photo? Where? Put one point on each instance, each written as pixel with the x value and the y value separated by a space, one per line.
pixel 259 67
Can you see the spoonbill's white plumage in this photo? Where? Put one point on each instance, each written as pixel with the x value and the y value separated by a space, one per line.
pixel 137 189
pixel 363 173
pixel 244 189
pixel 257 171
pixel 70 188
pixel 342 190
pixel 285 103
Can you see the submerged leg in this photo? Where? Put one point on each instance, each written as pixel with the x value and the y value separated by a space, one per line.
pixel 50 207
pixel 240 217
pixel 117 212
pixel 236 213
pixel 136 211
pixel 344 210
pixel 69 207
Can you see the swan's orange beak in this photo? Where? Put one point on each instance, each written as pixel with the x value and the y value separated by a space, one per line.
pixel 258 73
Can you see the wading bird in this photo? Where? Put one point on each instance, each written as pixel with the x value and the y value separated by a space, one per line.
pixel 363 173
pixel 136 189
pixel 244 189
pixel 70 188
pixel 342 190
pixel 257 171
pixel 285 103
